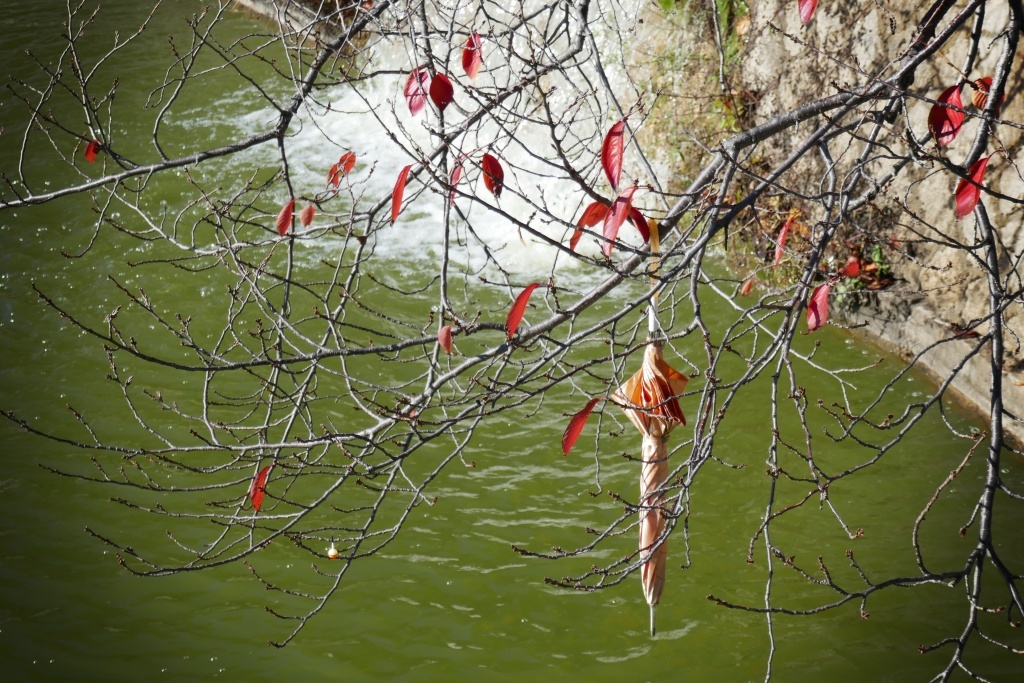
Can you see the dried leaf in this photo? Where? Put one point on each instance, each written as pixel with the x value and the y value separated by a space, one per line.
pixel 780 243
pixel 306 215
pixel 807 8
pixel 441 91
pixel 943 122
pixel 472 57
pixel 444 339
pixel 416 87
pixel 979 98
pixel 611 153
pixel 817 307
pixel 576 425
pixel 968 190
pixel 258 487
pixel 515 314
pixel 396 194
pixel 494 175
pixel 616 217
pixel 284 219
pixel 91 150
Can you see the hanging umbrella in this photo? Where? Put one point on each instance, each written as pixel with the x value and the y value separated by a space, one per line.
pixel 650 400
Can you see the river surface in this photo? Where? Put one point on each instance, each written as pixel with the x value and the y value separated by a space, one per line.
pixel 449 600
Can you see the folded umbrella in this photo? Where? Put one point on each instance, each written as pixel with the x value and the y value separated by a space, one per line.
pixel 650 399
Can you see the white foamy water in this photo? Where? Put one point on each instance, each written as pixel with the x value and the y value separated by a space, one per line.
pixel 373 121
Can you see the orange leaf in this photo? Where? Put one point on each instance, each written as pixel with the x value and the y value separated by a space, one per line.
pixel 91 150
pixel 780 243
pixel 515 314
pixel 817 307
pixel 258 487
pixel 494 175
pixel 943 122
pixel 616 217
pixel 472 58
pixel 968 190
pixel 306 215
pixel 807 8
pixel 576 425
pixel 334 175
pixel 416 90
pixel 611 154
pixel 441 91
pixel 444 339
pixel 284 219
pixel 396 194
pixel 748 284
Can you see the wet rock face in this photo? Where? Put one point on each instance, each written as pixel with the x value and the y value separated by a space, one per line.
pixel 941 284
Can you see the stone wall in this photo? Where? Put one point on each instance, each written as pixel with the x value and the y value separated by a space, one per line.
pixel 936 285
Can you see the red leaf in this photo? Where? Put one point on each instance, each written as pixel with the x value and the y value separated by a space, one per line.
pixel 747 285
pixel 515 314
pixel 453 180
pixel 93 148
pixel 592 215
pixel 637 219
pixel 576 425
pixel 943 122
pixel 444 339
pixel 807 8
pixel 284 219
pixel 441 91
pixel 416 90
pixel 347 162
pixel 780 243
pixel 611 154
pixel 306 215
pixel 575 239
pixel 968 190
pixel 616 217
pixel 396 194
pixel 494 175
pixel 258 487
pixel 817 307
pixel 852 267
pixel 472 58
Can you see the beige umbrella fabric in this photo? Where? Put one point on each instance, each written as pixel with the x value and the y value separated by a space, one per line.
pixel 650 400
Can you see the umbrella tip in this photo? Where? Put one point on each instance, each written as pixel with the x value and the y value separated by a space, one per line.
pixel 653 607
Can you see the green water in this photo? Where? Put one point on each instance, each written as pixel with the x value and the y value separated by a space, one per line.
pixel 450 599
